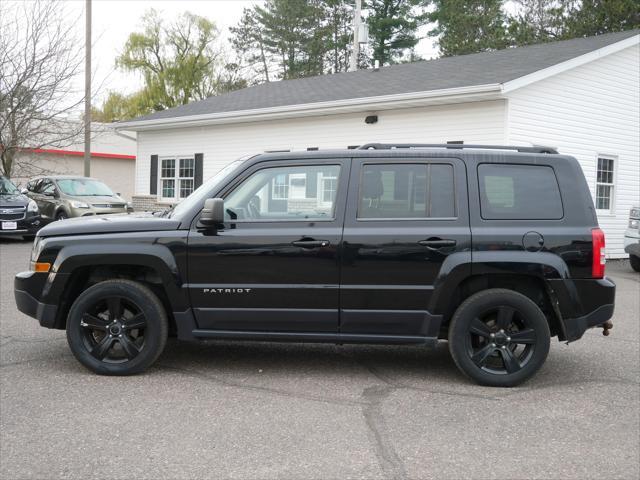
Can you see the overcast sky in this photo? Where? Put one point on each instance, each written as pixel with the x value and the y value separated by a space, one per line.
pixel 114 20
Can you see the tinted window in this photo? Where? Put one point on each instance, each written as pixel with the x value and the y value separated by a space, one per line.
pixel 46 187
pixel 406 190
pixel 285 193
pixel 519 192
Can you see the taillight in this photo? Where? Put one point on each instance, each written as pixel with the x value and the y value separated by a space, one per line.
pixel 598 259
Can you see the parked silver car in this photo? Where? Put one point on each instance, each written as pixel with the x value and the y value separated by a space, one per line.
pixel 60 197
pixel 632 238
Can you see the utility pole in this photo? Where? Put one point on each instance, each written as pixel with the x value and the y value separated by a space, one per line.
pixel 355 51
pixel 87 90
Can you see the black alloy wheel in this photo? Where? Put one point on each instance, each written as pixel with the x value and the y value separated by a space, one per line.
pixel 113 329
pixel 499 337
pixel 117 327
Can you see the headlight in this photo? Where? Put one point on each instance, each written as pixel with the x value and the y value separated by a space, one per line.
pixel 635 213
pixel 76 204
pixel 32 207
pixel 634 223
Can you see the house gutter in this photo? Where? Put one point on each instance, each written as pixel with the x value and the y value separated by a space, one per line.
pixel 383 102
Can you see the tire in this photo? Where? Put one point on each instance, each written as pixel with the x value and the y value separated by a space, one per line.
pixel 635 262
pixel 117 327
pixel 61 215
pixel 499 338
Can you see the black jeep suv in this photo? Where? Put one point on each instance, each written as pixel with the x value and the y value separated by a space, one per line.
pixel 495 249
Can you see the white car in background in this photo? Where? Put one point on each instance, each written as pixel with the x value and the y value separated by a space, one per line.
pixel 632 238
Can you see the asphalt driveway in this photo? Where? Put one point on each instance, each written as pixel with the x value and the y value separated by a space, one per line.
pixel 257 410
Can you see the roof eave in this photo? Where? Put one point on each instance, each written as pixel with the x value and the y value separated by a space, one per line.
pixel 385 102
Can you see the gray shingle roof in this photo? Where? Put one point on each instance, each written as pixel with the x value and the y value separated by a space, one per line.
pixel 466 70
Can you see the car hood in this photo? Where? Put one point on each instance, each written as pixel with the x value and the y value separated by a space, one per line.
pixel 119 223
pixel 97 200
pixel 13 200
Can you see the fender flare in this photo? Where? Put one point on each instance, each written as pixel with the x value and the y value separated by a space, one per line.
pixel 156 257
pixel 462 265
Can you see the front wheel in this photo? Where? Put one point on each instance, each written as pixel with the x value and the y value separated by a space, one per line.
pixel 61 215
pixel 635 262
pixel 117 327
pixel 499 338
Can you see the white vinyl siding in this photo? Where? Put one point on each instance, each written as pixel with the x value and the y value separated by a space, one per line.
pixel 478 122
pixel 589 112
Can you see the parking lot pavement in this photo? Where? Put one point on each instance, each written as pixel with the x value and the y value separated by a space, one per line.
pixel 257 410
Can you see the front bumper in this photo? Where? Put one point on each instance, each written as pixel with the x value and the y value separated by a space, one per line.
pixel 583 304
pixel 24 226
pixel 27 290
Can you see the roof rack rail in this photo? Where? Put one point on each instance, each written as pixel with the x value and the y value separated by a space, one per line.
pixel 456 146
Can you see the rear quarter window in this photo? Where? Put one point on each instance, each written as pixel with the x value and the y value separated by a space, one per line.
pixel 519 192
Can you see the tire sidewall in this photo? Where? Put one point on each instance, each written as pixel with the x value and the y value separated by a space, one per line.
pixel 155 332
pixel 483 301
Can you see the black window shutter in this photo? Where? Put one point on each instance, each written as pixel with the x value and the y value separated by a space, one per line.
pixel 198 171
pixel 153 185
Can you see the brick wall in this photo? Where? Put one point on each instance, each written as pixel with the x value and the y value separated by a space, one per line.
pixel 147 203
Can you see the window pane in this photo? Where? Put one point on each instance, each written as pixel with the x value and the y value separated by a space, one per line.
pixel 519 192
pixel 186 167
pixel 186 187
pixel 168 188
pixel 406 191
pixel 285 193
pixel 168 168
pixel 603 197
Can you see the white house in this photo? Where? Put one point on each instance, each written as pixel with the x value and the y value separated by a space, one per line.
pixel 580 96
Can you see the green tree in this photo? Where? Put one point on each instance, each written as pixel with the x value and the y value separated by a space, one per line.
pixel 294 35
pixel 594 17
pixel 338 17
pixel 468 26
pixel 248 41
pixel 537 21
pixel 393 28
pixel 179 62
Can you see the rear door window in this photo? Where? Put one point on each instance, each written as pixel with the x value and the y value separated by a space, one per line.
pixel 399 191
pixel 519 192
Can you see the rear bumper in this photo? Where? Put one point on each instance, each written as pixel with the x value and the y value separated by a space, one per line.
pixel 584 304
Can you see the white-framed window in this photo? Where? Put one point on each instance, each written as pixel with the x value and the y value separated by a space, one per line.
pixel 280 187
pixel 605 182
pixel 328 188
pixel 177 177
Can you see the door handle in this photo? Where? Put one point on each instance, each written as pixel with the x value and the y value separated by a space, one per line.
pixel 310 243
pixel 437 243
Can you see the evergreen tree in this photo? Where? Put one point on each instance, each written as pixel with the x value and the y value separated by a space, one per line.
pixel 393 28
pixel 468 26
pixel 594 17
pixel 537 21
pixel 248 40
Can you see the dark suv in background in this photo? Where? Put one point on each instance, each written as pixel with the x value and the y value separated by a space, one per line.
pixel 19 215
pixel 490 248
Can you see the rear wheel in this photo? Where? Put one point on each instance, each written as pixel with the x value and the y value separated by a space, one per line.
pixel 499 338
pixel 117 327
pixel 635 262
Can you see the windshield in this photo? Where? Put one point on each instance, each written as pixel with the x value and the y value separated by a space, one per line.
pixel 84 187
pixel 7 187
pixel 201 193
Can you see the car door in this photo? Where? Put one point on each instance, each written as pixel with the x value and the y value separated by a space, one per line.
pixel 46 200
pixel 273 265
pixel 405 219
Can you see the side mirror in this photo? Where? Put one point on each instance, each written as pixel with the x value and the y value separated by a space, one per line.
pixel 213 212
